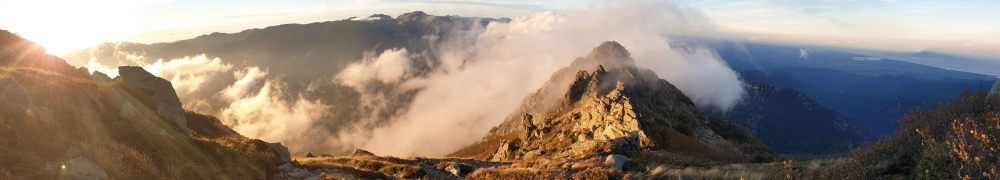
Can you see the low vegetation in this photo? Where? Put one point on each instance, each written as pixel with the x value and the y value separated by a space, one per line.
pixel 956 140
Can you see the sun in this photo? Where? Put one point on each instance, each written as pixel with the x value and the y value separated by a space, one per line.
pixel 60 42
pixel 69 25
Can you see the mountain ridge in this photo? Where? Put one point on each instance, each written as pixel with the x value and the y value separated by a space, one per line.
pixel 615 108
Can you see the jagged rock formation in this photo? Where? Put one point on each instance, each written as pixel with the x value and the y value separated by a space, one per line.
pixel 614 108
pixel 164 97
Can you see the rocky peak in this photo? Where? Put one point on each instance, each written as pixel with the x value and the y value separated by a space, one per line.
pixel 609 54
pixel 612 54
pixel 163 97
pixel 380 17
pixel 412 16
pixel 610 107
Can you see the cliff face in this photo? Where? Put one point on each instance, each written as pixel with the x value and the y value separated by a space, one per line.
pixel 60 122
pixel 612 108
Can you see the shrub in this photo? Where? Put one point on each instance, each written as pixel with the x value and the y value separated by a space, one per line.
pixel 956 140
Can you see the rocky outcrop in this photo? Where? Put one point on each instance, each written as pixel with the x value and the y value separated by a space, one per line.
pixel 164 98
pixel 601 105
pixel 362 153
pixel 615 161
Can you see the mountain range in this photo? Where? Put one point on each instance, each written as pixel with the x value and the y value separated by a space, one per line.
pixel 871 90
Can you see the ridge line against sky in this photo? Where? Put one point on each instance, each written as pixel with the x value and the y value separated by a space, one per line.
pixel 963 27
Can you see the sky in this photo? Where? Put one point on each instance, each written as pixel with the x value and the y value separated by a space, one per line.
pixel 971 27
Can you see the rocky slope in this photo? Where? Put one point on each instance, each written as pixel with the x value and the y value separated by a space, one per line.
pixel 602 104
pixel 57 121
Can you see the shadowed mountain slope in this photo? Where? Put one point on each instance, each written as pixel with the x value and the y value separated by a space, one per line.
pixel 789 122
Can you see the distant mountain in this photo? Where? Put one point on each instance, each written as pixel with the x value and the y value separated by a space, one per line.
pixel 59 122
pixel 766 58
pixel 874 91
pixel 612 108
pixel 943 60
pixel 789 122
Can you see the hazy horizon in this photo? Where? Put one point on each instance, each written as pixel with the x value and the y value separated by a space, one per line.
pixel 964 28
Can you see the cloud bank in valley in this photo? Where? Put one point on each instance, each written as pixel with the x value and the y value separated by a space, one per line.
pixel 480 79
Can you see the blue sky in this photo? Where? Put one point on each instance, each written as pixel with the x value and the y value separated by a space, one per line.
pixel 972 25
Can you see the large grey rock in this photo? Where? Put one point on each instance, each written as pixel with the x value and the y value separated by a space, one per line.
pixel 166 102
pixel 456 168
pixel 507 151
pixel 362 153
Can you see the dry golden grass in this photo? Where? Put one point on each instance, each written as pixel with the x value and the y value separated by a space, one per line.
pixel 510 173
pixel 368 166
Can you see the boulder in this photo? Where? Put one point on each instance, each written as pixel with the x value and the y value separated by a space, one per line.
pixel 166 103
pixel 362 153
pixel 457 169
pixel 507 151
pixel 615 161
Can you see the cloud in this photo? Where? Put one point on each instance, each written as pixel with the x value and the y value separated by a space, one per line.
pixel 478 80
pixel 188 74
pixel 248 80
pixel 388 67
pixel 263 112
pixel 804 53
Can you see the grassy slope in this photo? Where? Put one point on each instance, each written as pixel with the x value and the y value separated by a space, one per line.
pixel 49 108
